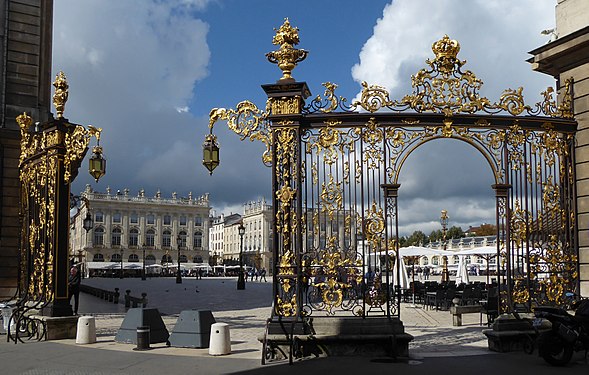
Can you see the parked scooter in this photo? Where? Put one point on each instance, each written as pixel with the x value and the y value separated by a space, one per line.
pixel 569 333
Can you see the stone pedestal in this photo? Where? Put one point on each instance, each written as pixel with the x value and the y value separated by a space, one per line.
pixel 59 328
pixel 509 334
pixel 329 336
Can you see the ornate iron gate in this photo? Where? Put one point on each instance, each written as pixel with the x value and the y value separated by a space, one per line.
pixel 51 154
pixel 335 182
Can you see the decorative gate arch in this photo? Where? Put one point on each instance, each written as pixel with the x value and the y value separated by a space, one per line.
pixel 335 182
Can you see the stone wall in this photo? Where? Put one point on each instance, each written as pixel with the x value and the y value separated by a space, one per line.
pixel 26 33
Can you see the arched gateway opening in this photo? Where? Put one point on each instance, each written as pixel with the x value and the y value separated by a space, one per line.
pixel 336 166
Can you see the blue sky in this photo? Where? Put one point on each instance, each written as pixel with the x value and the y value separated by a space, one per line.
pixel 149 71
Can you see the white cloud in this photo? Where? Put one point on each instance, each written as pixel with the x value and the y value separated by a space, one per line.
pixel 132 67
pixel 494 36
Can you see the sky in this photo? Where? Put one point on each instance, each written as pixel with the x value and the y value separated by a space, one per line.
pixel 148 72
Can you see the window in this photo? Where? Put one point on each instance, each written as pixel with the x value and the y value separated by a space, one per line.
pixel 99 217
pixel 133 237
pixel 167 239
pixel 166 259
pixel 134 218
pixel 197 239
pixel 150 259
pixel 197 221
pixel 98 258
pixel 116 237
pixel 455 259
pixel 98 236
pixel 435 261
pixel 167 220
pixel 116 217
pixel 150 238
pixel 182 239
pixel 116 257
pixel 197 259
pixel 150 219
pixel 133 258
pixel 183 259
pixel 183 220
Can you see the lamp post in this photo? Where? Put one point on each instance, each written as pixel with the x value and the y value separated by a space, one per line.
pixel 240 276
pixel 178 273
pixel 444 222
pixel 121 263
pixel 143 272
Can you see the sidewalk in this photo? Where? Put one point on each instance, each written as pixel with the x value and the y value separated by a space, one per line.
pixel 438 347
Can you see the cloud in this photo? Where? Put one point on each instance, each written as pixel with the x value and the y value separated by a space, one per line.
pixel 137 69
pixel 495 36
pixel 132 67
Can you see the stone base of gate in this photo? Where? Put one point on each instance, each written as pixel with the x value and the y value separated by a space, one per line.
pixel 509 334
pixel 342 336
pixel 59 328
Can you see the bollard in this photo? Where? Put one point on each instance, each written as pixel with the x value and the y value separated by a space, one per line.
pixel 220 342
pixel 142 338
pixel 86 332
pixel 6 314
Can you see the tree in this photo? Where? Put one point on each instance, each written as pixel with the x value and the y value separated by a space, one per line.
pixel 455 232
pixel 435 235
pixel 416 238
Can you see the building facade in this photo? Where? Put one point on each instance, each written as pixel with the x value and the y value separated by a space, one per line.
pixel 25 46
pixel 128 228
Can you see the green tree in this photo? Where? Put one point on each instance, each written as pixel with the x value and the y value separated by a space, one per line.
pixel 455 232
pixel 416 238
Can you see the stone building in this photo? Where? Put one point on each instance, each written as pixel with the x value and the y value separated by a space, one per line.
pixel 127 227
pixel 567 56
pixel 25 67
pixel 257 239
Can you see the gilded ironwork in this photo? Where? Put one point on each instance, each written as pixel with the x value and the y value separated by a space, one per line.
pixel 61 93
pixel 286 57
pixel 335 166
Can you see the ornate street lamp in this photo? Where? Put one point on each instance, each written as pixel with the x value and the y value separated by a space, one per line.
pixel 97 163
pixel 121 263
pixel 240 277
pixel 210 152
pixel 178 273
pixel 143 272
pixel 444 221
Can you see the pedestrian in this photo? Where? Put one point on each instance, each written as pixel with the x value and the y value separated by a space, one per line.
pixel 256 274
pixel 74 281
pixel 263 274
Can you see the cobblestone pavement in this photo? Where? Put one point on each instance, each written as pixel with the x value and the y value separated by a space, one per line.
pixel 438 346
pixel 246 312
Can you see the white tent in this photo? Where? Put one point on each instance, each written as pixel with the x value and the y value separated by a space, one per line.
pixel 422 251
pixel 462 272
pixel 403 280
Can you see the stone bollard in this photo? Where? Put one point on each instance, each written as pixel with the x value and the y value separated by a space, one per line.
pixel 220 341
pixel 86 332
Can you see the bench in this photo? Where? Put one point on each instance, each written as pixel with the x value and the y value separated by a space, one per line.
pixel 457 312
pixel 106 295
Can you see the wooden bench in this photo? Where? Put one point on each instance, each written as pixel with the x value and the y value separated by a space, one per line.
pixel 457 312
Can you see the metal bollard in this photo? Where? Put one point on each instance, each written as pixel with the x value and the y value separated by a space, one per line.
pixel 143 338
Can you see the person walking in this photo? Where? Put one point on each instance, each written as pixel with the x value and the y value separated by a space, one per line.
pixel 263 275
pixel 74 281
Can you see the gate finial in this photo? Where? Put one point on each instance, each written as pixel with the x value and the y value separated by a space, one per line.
pixel 286 56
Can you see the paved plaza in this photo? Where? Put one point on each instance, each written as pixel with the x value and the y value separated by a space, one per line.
pixel 438 346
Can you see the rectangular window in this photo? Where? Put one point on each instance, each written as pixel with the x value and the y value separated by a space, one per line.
pixel 134 218
pixel 197 221
pixel 116 217
pixel 150 219
pixel 99 217
pixel 167 220
pixel 183 220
